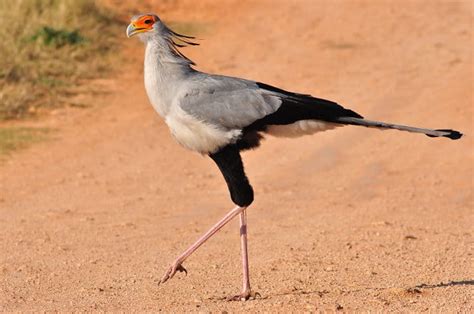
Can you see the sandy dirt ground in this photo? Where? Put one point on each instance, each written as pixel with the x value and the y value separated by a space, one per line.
pixel 351 219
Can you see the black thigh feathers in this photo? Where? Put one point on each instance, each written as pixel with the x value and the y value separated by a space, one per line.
pixel 230 164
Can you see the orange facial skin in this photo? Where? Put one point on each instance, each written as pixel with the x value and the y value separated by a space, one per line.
pixel 144 21
pixel 141 24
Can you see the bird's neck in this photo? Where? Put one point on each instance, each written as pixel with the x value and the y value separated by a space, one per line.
pixel 164 71
pixel 162 54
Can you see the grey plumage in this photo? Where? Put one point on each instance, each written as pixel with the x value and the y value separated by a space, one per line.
pixel 227 102
pixel 452 134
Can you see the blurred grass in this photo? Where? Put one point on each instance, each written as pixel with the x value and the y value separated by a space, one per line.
pixel 47 47
pixel 14 138
pixel 188 28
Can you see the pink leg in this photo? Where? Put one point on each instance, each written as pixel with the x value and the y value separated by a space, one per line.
pixel 244 252
pixel 246 291
pixel 176 265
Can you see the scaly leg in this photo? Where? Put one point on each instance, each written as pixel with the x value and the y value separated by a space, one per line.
pixel 244 252
pixel 246 291
pixel 176 265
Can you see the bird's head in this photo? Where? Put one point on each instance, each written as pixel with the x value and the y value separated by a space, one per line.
pixel 149 25
pixel 144 24
pixel 150 28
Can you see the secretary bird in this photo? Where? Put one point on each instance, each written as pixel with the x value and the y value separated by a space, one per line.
pixel 220 116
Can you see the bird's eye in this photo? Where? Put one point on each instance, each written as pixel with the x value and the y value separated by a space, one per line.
pixel 148 21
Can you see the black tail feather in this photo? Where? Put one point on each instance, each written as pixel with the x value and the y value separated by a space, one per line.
pixel 451 134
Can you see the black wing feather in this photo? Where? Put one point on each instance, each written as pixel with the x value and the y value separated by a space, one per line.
pixel 297 107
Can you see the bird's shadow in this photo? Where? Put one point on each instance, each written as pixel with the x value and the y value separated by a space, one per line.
pixel 321 293
pixel 414 289
pixel 468 282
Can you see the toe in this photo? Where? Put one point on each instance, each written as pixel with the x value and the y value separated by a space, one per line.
pixel 165 278
pixel 244 296
pixel 171 272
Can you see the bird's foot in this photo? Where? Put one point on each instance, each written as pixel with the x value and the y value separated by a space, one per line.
pixel 176 266
pixel 244 296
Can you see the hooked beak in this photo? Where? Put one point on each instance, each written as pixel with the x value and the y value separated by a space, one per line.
pixel 133 30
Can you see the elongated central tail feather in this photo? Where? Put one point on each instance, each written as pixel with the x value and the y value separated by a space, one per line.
pixel 452 134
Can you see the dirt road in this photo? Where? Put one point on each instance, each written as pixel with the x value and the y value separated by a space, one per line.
pixel 350 219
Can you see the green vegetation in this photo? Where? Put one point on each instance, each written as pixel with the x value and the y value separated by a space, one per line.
pixel 47 47
pixel 57 37
pixel 13 138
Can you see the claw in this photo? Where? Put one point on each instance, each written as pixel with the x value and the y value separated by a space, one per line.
pixel 181 269
pixel 172 271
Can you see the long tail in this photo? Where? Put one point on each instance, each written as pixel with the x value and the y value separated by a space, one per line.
pixel 452 134
pixel 296 107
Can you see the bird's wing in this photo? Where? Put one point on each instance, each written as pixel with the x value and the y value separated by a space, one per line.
pixel 233 103
pixel 227 102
